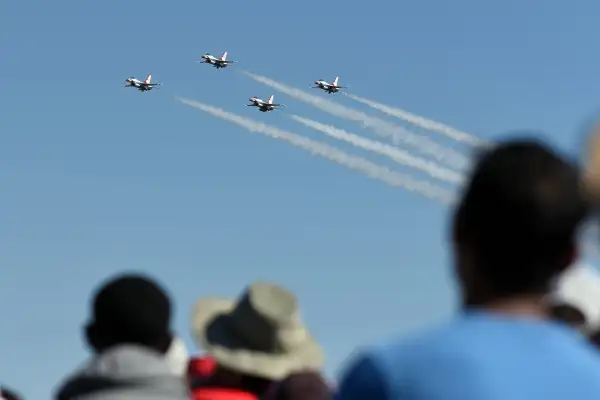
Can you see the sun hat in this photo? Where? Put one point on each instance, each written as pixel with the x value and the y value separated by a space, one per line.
pixel 260 334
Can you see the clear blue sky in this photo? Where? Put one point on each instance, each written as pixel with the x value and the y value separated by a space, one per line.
pixel 97 178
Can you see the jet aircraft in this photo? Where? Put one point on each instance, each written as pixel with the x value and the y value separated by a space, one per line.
pixel 328 87
pixel 142 86
pixel 264 106
pixel 217 62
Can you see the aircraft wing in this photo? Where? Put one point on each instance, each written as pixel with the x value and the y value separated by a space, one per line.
pixel 226 62
pixel 275 105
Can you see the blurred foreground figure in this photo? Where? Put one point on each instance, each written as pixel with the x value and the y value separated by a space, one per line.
pixel 130 335
pixel 256 341
pixel 513 234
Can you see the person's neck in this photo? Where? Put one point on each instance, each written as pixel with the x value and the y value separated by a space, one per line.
pixel 532 306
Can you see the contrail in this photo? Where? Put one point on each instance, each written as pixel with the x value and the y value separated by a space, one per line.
pixel 398 155
pixel 331 153
pixel 425 123
pixel 379 126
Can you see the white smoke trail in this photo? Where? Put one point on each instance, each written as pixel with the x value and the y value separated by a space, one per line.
pixel 398 155
pixel 425 123
pixel 381 127
pixel 331 153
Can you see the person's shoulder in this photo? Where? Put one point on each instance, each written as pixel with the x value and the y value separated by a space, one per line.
pixel 583 354
pixel 579 367
pixel 377 371
pixel 419 342
pixel 365 377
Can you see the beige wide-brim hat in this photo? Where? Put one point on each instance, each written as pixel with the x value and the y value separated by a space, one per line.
pixel 260 334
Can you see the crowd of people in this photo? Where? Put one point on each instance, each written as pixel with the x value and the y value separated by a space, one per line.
pixel 516 336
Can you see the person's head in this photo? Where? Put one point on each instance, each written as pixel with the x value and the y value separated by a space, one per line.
pixel 130 309
pixel 515 228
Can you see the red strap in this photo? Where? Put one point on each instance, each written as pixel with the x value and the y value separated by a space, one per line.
pixel 221 394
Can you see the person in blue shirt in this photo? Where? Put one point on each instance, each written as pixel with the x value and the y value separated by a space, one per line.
pixel 514 233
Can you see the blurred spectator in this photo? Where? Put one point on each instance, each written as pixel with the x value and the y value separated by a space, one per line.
pixel 256 341
pixel 514 233
pixel 130 334
pixel 301 386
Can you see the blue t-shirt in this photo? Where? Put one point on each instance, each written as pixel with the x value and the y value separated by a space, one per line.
pixel 479 356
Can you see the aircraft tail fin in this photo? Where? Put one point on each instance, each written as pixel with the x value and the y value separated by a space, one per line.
pixel 224 56
pixel 148 79
pixel 270 101
pixel 336 80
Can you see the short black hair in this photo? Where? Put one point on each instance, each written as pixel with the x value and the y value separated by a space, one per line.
pixel 519 214
pixel 130 309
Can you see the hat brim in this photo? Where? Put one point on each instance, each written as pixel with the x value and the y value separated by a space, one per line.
pixel 212 331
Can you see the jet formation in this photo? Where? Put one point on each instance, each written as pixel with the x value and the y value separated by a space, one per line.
pixel 223 62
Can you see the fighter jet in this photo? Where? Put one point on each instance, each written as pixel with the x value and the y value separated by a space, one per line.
pixel 217 62
pixel 264 106
pixel 329 87
pixel 142 86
